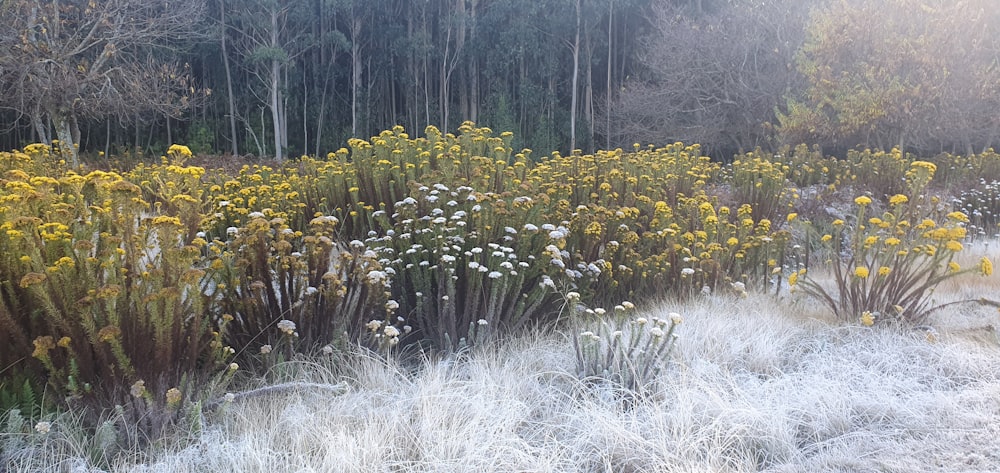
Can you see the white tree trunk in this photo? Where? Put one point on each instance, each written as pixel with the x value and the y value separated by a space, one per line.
pixel 576 79
pixel 64 130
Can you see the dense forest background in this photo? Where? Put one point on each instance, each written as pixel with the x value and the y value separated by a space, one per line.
pixel 284 78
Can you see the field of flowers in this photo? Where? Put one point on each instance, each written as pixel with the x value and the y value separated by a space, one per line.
pixel 156 287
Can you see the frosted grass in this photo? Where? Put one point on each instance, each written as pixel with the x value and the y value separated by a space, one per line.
pixel 756 384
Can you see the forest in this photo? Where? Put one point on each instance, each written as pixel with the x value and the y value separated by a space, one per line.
pixel 499 235
pixel 283 78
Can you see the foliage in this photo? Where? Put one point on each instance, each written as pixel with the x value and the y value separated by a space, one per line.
pixel 624 350
pixel 884 173
pixel 99 295
pixel 894 261
pixel 761 183
pixel 907 73
pixel 135 288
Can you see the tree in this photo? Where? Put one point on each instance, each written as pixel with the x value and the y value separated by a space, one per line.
pixel 64 60
pixel 269 39
pixel 713 78
pixel 918 74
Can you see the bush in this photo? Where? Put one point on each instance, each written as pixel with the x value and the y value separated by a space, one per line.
pixel 894 261
pixel 618 348
pixel 100 296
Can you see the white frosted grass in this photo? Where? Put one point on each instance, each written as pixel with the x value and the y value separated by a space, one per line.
pixel 757 384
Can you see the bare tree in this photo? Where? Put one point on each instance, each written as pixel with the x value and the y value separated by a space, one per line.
pixel 713 79
pixel 63 60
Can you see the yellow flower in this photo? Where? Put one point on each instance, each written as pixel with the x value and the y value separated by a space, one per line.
pixel 867 319
pixel 42 346
pixel 986 266
pixel 954 267
pixel 793 279
pixel 959 217
pixel 892 241
pixel 180 150
pixel 898 199
pixel 791 216
pixel 173 396
pixel 838 222
pixel 827 237
pixel 863 200
pixel 167 220
pixel 884 270
pixel 108 333
pixel 861 272
pixel 953 245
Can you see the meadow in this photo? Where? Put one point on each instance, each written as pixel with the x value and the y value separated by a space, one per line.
pixel 444 303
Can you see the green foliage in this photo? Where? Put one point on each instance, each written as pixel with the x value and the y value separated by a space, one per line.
pixel 882 172
pixel 761 183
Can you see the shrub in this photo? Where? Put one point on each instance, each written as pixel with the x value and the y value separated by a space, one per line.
pixel 982 204
pixel 761 183
pixel 880 172
pixel 626 350
pixel 102 296
pixel 893 262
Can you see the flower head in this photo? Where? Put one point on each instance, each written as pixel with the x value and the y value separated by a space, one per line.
pixel 861 272
pixel 863 200
pixel 173 396
pixel 138 388
pixel 43 427
pixel 287 326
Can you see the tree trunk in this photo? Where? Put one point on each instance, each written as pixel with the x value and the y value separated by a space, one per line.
pixel 576 78
pixel 355 74
pixel 588 94
pixel 229 81
pixel 275 91
pixel 607 104
pixel 38 123
pixel 64 131
pixel 275 108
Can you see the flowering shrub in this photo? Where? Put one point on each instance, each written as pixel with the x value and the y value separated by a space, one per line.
pixel 131 287
pixel 98 294
pixel 880 172
pixel 894 262
pixel 982 204
pixel 761 183
pixel 617 347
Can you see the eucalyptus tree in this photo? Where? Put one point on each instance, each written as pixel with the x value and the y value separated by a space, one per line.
pixel 269 37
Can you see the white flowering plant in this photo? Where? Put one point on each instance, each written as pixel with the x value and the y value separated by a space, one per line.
pixel 620 346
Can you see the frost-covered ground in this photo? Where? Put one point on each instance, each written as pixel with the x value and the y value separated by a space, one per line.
pixel 757 384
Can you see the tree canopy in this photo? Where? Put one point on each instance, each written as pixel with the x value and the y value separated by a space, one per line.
pixel 295 77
